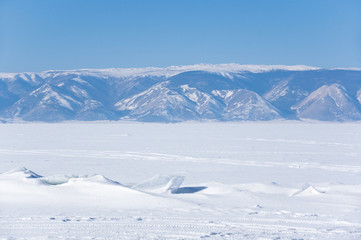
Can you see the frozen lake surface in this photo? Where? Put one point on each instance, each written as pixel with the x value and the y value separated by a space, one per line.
pixel 276 180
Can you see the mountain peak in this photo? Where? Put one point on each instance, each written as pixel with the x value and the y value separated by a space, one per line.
pixel 329 102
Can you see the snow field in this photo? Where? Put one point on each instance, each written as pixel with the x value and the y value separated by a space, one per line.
pixel 278 180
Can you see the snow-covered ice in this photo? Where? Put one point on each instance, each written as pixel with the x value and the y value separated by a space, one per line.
pixel 118 180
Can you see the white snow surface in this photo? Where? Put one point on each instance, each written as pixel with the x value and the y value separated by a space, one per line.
pixel 124 180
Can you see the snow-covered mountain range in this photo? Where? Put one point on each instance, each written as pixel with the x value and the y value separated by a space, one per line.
pixel 225 92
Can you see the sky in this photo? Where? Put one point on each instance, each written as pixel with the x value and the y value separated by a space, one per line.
pixel 40 35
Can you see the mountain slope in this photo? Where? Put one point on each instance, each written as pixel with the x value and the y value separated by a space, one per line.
pixel 244 104
pixel 329 103
pixel 158 103
pixel 224 92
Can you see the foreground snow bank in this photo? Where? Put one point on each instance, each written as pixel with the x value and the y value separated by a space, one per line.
pixel 25 191
pixel 57 203
pixel 22 190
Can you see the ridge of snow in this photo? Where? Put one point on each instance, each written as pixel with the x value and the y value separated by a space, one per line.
pixel 23 171
pixel 347 68
pixel 7 75
pixel 223 69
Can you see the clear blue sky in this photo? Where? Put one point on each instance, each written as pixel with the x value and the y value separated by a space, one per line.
pixel 37 35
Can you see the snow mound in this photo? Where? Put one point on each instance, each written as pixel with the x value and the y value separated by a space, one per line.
pixel 23 172
pixel 26 192
pixel 63 179
pixel 161 184
pixel 308 190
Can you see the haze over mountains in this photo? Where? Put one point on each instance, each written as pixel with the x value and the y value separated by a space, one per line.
pixel 223 92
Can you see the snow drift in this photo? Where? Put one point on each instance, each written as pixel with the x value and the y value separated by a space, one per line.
pixel 22 190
